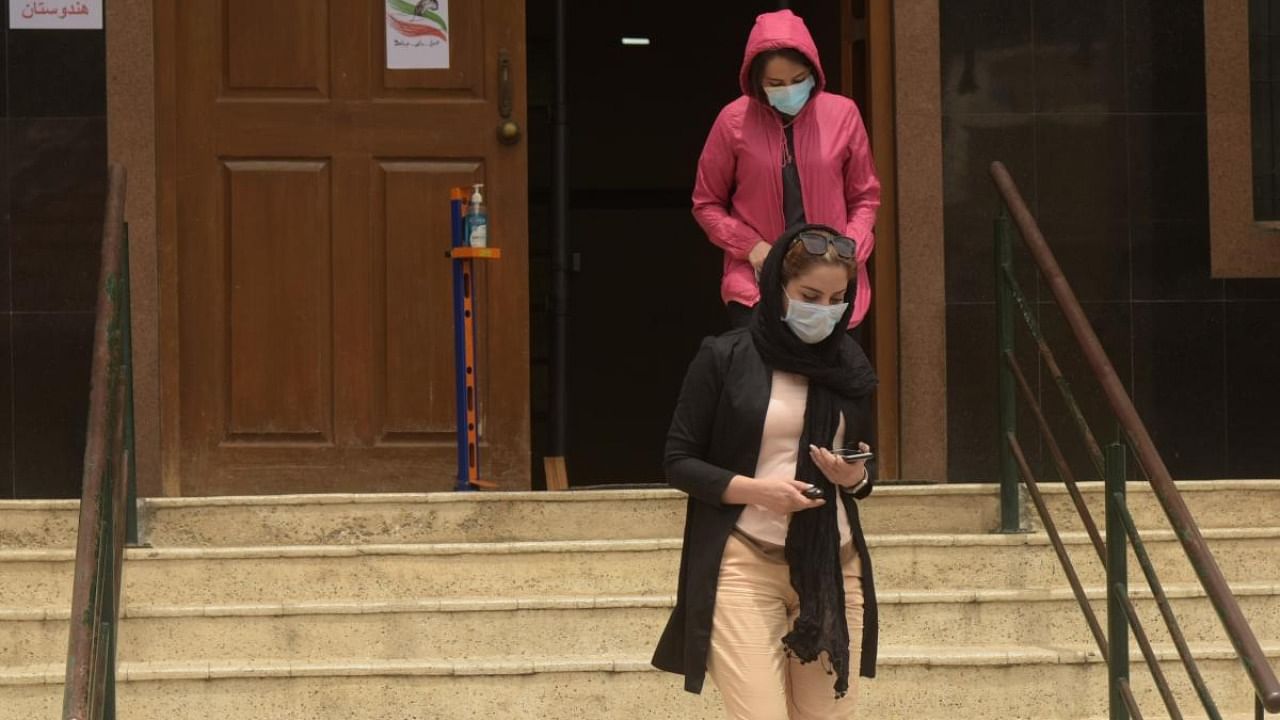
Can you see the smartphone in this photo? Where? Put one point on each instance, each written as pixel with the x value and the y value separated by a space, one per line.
pixel 851 455
pixel 813 493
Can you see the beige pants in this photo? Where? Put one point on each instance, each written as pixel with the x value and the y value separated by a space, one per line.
pixel 755 607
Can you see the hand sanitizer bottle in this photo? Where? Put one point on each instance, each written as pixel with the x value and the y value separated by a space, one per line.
pixel 477 218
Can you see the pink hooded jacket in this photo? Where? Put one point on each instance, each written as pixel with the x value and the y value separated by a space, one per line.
pixel 737 198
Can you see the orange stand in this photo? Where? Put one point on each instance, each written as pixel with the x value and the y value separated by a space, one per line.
pixel 463 258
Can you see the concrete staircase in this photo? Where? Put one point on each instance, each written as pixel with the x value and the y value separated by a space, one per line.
pixel 546 606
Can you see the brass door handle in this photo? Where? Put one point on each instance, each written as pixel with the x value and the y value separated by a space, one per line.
pixel 508 129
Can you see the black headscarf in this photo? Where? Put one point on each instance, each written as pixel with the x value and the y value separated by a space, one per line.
pixel 838 372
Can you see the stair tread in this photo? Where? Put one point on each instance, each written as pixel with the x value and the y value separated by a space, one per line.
pixel 604 601
pixel 442 605
pixel 370 518
pixel 1186 486
pixel 933 656
pixel 561 546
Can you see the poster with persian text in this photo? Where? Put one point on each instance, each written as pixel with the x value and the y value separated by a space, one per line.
pixel 55 15
pixel 417 34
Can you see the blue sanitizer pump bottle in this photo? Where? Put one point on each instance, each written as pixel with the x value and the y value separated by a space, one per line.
pixel 477 218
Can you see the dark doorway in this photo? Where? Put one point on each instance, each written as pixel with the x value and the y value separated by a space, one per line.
pixel 645 289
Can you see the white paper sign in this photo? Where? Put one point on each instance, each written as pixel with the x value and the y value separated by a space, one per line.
pixel 55 15
pixel 417 34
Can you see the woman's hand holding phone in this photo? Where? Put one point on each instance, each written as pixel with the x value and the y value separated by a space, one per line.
pixel 847 469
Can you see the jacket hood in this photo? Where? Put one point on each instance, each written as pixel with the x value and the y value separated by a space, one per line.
pixel 774 31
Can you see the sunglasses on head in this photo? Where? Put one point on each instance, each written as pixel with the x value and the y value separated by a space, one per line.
pixel 816 243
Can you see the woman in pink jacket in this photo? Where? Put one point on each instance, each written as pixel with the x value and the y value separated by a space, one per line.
pixel 784 154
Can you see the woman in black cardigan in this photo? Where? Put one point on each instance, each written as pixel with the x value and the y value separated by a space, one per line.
pixel 775 585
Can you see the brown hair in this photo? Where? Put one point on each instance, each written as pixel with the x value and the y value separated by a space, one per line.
pixel 756 76
pixel 798 261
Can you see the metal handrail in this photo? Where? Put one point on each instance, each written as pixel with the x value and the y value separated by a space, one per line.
pixel 1125 605
pixel 107 503
pixel 1261 675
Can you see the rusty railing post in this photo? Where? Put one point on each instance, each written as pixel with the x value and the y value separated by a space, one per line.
pixel 1010 502
pixel 1117 582
pixel 126 356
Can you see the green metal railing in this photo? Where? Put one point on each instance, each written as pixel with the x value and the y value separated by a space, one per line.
pixel 1121 530
pixel 108 503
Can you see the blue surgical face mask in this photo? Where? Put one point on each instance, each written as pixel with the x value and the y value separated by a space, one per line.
pixel 811 322
pixel 790 99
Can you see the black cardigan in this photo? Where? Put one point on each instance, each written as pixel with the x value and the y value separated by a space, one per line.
pixel 714 436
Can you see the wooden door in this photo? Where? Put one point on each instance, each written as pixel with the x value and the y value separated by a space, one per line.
pixel 306 188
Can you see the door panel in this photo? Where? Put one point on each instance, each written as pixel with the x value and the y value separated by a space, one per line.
pixel 258 58
pixel 279 284
pixel 311 186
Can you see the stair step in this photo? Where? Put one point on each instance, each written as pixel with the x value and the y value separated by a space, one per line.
pixel 975 683
pixel 38 523
pixel 1053 617
pixel 580 515
pixel 211 576
pixel 427 630
pixel 533 626
pixel 1214 504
